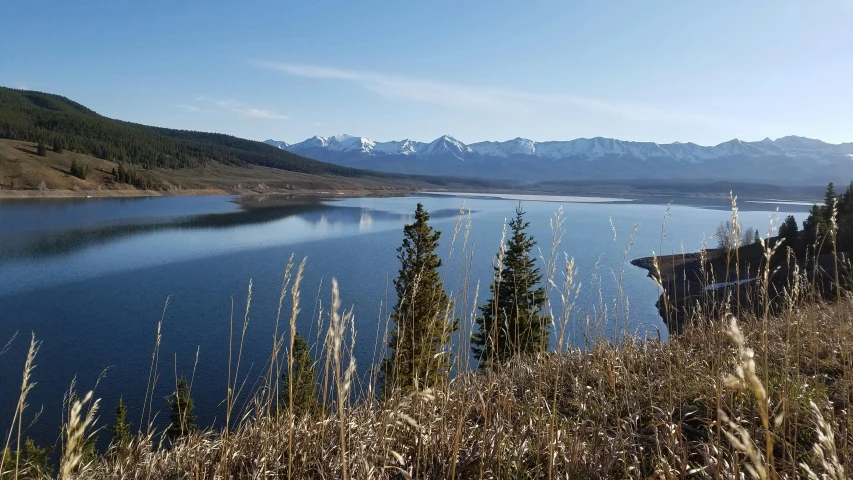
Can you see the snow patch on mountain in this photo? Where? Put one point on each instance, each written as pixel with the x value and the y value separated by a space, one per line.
pixel 278 144
pixel 517 146
pixel 402 147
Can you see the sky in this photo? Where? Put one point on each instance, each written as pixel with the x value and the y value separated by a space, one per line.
pixel 659 71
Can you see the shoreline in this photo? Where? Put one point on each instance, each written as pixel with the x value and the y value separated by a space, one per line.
pixel 54 194
pixel 82 194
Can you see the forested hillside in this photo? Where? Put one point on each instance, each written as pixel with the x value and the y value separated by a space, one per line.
pixel 58 122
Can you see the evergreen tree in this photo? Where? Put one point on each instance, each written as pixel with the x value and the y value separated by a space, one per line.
pixel 182 417
pixel 512 322
pixel 121 429
pixel 78 170
pixel 420 315
pixel 41 149
pixel 757 238
pixel 845 202
pixel 33 462
pixel 789 231
pixel 304 381
pixel 815 227
pixel 829 202
pixel 57 146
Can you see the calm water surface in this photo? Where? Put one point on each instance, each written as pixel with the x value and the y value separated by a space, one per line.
pixel 91 277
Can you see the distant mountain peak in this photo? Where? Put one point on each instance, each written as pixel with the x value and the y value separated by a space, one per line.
pixel 278 144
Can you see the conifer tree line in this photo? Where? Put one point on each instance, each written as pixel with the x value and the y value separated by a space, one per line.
pixel 832 219
pixel 829 222
pixel 512 322
pixel 132 177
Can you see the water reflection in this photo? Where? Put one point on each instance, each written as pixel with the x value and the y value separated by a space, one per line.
pixel 325 216
pixel 38 244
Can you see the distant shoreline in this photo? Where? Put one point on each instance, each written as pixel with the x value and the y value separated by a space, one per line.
pixel 34 194
pixel 63 194
pixel 534 196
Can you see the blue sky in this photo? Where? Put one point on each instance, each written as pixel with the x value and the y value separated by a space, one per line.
pixel 653 71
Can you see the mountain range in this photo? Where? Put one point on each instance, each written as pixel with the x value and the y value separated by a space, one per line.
pixel 788 160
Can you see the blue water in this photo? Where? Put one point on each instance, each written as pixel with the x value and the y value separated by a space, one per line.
pixel 91 277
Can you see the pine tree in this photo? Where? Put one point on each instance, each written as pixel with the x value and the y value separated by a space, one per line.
pixel 512 322
pixel 829 202
pixel 845 202
pixel 304 381
pixel 57 146
pixel 121 429
pixel 757 238
pixel 420 315
pixel 78 170
pixel 789 231
pixel 182 417
pixel 814 227
pixel 41 149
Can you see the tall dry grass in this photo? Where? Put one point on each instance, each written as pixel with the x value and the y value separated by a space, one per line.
pixel 760 396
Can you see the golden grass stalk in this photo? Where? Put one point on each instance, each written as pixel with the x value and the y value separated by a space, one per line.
pixel 17 419
pixel 75 432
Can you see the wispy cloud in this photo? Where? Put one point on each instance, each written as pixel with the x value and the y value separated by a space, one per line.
pixel 228 103
pixel 267 114
pixel 481 98
pixel 439 93
pixel 236 107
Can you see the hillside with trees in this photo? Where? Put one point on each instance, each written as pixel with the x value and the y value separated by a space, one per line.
pixel 55 121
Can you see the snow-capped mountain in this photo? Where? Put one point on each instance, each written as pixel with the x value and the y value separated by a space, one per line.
pixel 276 143
pixel 447 145
pixel 789 159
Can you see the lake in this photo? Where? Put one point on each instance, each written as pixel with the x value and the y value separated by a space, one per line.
pixel 91 277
